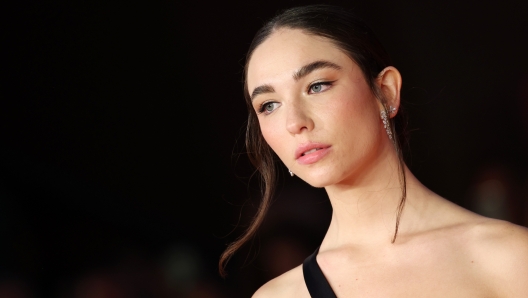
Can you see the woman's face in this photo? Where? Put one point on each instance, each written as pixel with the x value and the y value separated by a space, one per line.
pixel 315 108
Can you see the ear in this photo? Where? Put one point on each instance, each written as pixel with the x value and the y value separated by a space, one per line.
pixel 389 82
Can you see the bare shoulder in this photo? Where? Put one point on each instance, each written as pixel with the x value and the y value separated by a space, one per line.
pixel 289 284
pixel 497 237
pixel 501 250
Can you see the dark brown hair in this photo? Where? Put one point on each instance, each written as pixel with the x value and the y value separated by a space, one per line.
pixel 357 40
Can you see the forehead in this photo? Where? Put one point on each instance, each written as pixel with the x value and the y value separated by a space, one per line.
pixel 287 50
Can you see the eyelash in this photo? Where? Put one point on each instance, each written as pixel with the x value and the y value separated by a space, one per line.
pixel 262 107
pixel 327 83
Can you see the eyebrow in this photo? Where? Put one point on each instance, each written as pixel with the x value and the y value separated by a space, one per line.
pixel 299 74
pixel 308 68
pixel 261 90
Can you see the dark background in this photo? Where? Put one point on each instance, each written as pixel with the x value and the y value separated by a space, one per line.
pixel 122 172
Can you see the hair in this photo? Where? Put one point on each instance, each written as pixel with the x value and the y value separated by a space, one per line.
pixel 354 38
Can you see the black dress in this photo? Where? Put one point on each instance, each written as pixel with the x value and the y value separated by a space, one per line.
pixel 315 280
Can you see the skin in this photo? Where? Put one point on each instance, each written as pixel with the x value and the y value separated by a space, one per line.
pixel 442 250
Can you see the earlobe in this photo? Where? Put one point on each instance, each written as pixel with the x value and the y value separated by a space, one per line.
pixel 390 81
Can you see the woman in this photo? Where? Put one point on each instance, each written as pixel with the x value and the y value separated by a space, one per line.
pixel 323 96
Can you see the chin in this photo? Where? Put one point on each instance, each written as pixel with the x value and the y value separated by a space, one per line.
pixel 318 181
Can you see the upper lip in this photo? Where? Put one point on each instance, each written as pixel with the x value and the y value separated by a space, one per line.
pixel 309 146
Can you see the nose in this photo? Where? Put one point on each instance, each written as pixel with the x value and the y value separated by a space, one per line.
pixel 298 119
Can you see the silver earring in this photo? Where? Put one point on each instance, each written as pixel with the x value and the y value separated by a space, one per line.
pixel 385 120
pixel 291 173
pixel 391 110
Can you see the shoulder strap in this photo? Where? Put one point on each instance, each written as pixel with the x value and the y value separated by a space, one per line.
pixel 315 280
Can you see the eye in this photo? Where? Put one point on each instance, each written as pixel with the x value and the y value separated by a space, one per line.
pixel 268 107
pixel 319 87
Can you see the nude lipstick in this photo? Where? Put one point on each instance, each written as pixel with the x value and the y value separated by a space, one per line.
pixel 310 153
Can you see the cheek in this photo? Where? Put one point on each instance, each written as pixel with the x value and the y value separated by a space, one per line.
pixel 355 113
pixel 271 134
pixel 356 125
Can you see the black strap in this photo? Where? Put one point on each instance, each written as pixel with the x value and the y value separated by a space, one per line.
pixel 315 280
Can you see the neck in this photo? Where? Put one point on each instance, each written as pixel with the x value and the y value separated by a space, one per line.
pixel 365 207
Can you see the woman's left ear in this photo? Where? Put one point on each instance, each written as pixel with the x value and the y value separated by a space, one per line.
pixel 389 82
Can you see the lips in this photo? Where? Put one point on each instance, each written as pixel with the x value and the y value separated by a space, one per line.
pixel 311 152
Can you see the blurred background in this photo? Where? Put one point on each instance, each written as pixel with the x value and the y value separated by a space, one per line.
pixel 122 167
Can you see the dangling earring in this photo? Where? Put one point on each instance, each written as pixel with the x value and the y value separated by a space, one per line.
pixel 291 173
pixel 385 120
